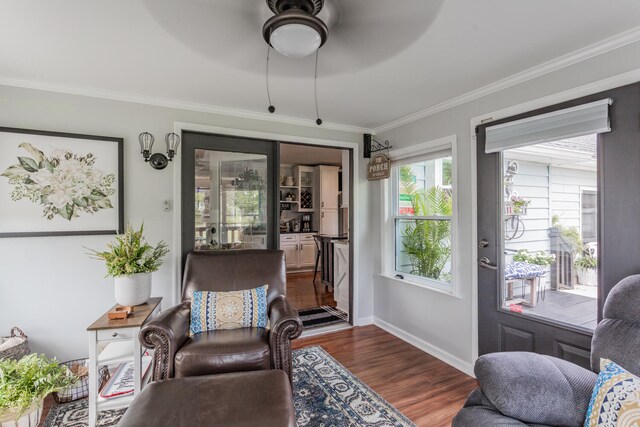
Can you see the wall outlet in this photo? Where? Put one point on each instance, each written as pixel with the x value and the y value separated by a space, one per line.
pixel 166 205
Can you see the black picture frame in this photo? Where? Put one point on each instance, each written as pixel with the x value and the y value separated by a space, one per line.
pixel 118 145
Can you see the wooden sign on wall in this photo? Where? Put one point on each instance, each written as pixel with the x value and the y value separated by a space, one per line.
pixel 379 168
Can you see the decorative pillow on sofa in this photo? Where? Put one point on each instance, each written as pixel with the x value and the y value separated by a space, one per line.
pixel 229 310
pixel 616 398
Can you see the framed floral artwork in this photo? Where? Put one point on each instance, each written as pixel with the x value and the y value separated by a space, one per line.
pixel 60 184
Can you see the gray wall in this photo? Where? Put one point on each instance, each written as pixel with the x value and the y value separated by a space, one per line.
pixel 49 286
pixel 441 322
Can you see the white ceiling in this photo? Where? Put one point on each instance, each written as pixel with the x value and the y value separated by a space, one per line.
pixel 381 63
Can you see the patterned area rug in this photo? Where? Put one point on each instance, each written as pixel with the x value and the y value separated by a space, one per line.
pixel 325 395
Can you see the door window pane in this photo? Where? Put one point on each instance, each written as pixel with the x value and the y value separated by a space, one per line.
pixel 231 200
pixel 549 231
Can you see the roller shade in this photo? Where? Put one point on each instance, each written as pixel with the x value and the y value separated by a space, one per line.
pixel 399 158
pixel 571 122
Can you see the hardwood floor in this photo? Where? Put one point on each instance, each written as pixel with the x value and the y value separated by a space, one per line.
pixel 425 389
pixel 303 294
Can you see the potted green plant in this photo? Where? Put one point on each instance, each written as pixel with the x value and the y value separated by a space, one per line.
pixel 23 386
pixel 130 261
pixel 586 270
pixel 519 204
pixel 538 258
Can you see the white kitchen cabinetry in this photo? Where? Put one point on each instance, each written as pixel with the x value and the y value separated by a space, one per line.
pixel 299 250
pixel 326 199
pixel 341 275
pixel 329 222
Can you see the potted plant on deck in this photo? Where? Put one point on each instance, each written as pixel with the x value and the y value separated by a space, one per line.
pixel 23 386
pixel 586 269
pixel 130 261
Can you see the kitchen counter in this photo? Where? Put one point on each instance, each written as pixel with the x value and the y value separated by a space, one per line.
pixel 298 232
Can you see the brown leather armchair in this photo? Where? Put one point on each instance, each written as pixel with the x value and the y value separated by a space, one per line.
pixel 176 354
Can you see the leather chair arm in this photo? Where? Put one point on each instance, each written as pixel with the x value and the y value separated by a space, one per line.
pixel 165 334
pixel 286 326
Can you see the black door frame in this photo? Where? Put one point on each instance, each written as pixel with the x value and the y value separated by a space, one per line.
pixel 618 246
pixel 192 140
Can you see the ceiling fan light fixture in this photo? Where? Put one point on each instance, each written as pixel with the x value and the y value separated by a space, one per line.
pixel 295 40
pixel 295 33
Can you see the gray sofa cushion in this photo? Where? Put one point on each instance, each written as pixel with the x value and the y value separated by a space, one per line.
pixel 536 389
pixel 617 336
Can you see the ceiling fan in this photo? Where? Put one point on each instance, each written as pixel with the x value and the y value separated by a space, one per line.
pixel 295 30
pixel 361 33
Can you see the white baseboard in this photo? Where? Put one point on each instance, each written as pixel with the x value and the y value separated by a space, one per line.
pixel 434 351
pixel 365 321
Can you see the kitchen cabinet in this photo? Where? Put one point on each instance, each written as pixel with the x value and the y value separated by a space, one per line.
pixel 329 222
pixel 299 250
pixel 326 199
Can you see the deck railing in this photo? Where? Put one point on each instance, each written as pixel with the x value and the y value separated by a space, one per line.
pixel 562 274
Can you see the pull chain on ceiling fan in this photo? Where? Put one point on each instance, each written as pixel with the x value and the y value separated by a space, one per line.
pixel 295 31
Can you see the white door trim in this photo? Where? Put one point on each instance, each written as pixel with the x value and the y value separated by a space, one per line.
pixel 178 127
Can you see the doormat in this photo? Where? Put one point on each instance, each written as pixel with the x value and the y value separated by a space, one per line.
pixel 322 316
pixel 325 393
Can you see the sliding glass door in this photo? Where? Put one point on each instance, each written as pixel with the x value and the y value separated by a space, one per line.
pixel 228 196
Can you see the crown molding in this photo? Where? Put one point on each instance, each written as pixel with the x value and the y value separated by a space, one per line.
pixel 582 54
pixel 178 104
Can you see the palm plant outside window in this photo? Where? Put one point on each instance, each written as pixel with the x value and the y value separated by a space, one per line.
pixel 423 211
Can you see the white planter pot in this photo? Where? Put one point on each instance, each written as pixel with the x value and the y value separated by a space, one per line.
pixel 587 276
pixel 134 289
pixel 31 418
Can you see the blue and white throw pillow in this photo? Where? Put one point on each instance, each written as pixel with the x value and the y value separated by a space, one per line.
pixel 229 310
pixel 616 398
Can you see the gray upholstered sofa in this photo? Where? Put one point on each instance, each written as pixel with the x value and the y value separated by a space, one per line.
pixel 528 389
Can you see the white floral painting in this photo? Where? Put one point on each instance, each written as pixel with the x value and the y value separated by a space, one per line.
pixel 58 184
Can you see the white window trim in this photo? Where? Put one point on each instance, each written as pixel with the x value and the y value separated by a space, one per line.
pixel 388 224
pixel 582 189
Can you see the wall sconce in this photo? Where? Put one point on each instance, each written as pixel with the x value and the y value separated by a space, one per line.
pixel 158 160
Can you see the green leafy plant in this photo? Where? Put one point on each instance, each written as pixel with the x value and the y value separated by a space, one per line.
pixel 586 262
pixel 28 381
pixel 538 258
pixel 131 254
pixel 427 242
pixel 571 234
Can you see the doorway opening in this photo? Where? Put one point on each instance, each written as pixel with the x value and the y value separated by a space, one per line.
pixel 314 217
pixel 549 222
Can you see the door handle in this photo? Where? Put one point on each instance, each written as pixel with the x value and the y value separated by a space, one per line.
pixel 486 263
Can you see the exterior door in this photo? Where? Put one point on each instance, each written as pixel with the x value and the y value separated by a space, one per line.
pixel 229 193
pixel 505 327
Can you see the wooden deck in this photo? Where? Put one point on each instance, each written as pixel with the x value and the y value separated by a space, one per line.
pixel 568 308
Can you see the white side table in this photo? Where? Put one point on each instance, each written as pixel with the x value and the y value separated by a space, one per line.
pixel 112 342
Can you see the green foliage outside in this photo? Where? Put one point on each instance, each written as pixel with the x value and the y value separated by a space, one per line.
pixel 586 262
pixel 131 254
pixel 28 381
pixel 427 242
pixel 537 258
pixel 571 234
